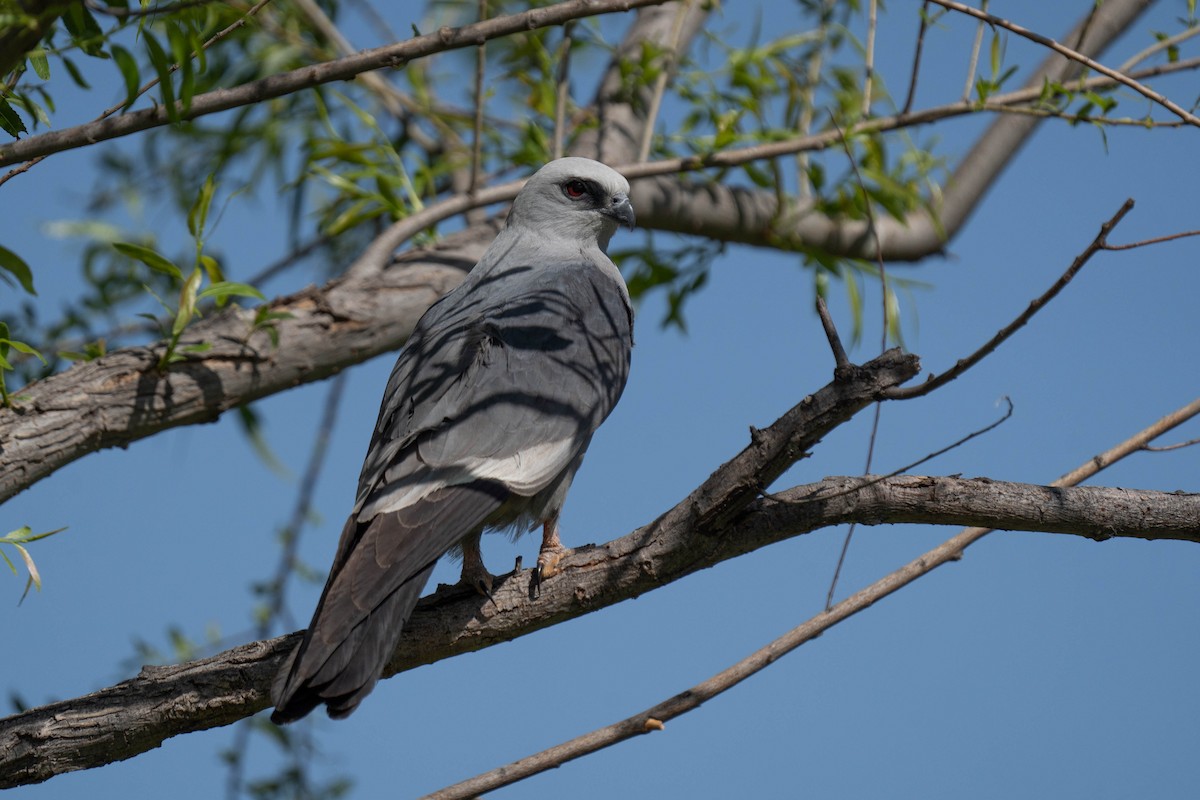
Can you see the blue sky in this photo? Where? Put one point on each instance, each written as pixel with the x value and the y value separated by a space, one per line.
pixel 1040 665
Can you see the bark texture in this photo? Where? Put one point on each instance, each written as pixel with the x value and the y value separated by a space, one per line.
pixel 123 396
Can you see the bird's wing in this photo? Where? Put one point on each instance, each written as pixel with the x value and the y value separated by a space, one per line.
pixel 508 388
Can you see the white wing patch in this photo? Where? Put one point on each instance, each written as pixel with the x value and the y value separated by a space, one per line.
pixel 526 473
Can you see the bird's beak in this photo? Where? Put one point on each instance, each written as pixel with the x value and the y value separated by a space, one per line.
pixel 620 209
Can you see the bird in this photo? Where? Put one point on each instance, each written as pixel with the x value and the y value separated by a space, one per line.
pixel 484 422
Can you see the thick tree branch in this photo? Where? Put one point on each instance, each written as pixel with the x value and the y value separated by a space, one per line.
pixel 122 397
pixel 137 715
pixel 1097 513
pixel 654 718
pixel 392 56
pixel 718 521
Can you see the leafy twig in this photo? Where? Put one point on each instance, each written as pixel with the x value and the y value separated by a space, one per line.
pixel 1074 55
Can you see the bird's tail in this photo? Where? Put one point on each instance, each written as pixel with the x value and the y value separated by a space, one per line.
pixel 341 678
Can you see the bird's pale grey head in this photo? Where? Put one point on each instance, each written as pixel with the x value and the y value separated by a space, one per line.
pixel 576 198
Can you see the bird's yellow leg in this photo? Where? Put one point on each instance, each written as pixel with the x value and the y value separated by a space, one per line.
pixel 551 552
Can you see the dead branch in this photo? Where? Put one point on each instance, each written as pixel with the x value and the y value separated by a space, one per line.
pixel 654 718
pixel 137 715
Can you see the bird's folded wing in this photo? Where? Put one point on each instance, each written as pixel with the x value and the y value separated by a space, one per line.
pixel 509 390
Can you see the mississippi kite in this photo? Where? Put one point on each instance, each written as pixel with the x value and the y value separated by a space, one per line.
pixel 484 422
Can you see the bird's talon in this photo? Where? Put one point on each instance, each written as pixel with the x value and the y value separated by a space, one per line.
pixel 480 580
pixel 547 563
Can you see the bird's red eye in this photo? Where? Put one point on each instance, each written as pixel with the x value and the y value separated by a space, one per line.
pixel 574 189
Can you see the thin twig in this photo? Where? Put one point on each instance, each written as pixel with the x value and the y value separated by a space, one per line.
pixel 1156 240
pixel 840 359
pixel 654 718
pixel 660 83
pixel 477 130
pixel 1052 113
pixel 818 496
pixel 286 567
pixel 1167 447
pixel 562 92
pixel 1161 44
pixel 916 65
pixel 812 79
pixel 1074 55
pixel 869 61
pixel 973 64
pixel 963 364
pixel 874 231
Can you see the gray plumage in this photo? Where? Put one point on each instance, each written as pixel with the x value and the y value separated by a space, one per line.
pixel 485 420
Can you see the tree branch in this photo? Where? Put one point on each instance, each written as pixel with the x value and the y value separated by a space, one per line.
pixel 122 397
pixel 1074 55
pixel 393 56
pixel 721 519
pixel 963 364
pixel 137 715
pixel 653 719
pixel 755 217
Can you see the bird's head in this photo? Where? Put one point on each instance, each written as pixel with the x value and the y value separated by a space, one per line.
pixel 575 198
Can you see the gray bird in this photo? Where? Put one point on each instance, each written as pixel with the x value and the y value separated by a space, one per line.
pixel 484 422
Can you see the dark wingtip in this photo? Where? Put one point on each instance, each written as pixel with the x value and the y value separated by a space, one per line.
pixel 293 709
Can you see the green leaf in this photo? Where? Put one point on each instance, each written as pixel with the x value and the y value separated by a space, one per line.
pixel 212 269
pixel 187 302
pixel 127 64
pixel 21 347
pixel 84 30
pixel 75 74
pixel 198 215
pixel 10 120
pixel 224 289
pixel 25 535
pixel 181 50
pixel 150 258
pixel 12 263
pixel 41 66
pixel 162 66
